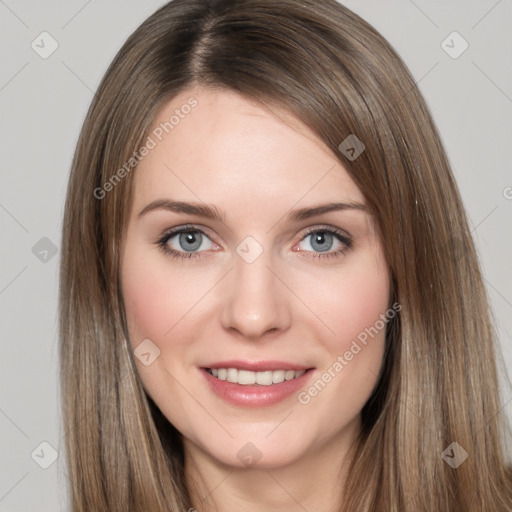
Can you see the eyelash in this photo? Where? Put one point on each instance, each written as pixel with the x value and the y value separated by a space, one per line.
pixel 346 241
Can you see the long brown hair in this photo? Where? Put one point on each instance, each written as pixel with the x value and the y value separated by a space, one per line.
pixel 322 63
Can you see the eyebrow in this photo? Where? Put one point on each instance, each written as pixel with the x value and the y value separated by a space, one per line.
pixel 214 213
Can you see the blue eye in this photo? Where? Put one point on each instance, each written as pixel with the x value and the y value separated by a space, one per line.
pixel 189 242
pixel 321 242
pixel 184 243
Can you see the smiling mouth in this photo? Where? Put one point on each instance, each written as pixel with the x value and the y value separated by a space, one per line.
pixel 249 378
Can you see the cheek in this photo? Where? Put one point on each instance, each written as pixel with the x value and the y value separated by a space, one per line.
pixel 362 302
pixel 351 301
pixel 157 296
pixel 148 306
pixel 352 309
pixel 354 301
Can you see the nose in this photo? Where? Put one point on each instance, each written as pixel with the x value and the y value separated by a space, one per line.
pixel 255 301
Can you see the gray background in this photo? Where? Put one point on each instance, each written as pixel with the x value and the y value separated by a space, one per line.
pixel 43 103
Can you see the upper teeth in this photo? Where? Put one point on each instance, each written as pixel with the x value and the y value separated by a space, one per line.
pixel 247 377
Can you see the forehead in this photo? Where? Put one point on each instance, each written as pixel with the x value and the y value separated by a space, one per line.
pixel 227 149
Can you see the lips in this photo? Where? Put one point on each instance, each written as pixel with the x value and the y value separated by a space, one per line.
pixel 243 393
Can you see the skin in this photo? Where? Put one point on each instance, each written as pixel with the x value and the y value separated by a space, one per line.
pixel 286 305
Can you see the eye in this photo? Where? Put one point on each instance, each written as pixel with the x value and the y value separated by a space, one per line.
pixel 324 243
pixel 185 242
pixel 190 242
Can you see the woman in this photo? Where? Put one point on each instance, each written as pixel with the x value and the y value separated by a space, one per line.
pixel 268 278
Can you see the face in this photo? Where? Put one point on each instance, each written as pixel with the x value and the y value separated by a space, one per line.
pixel 230 264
